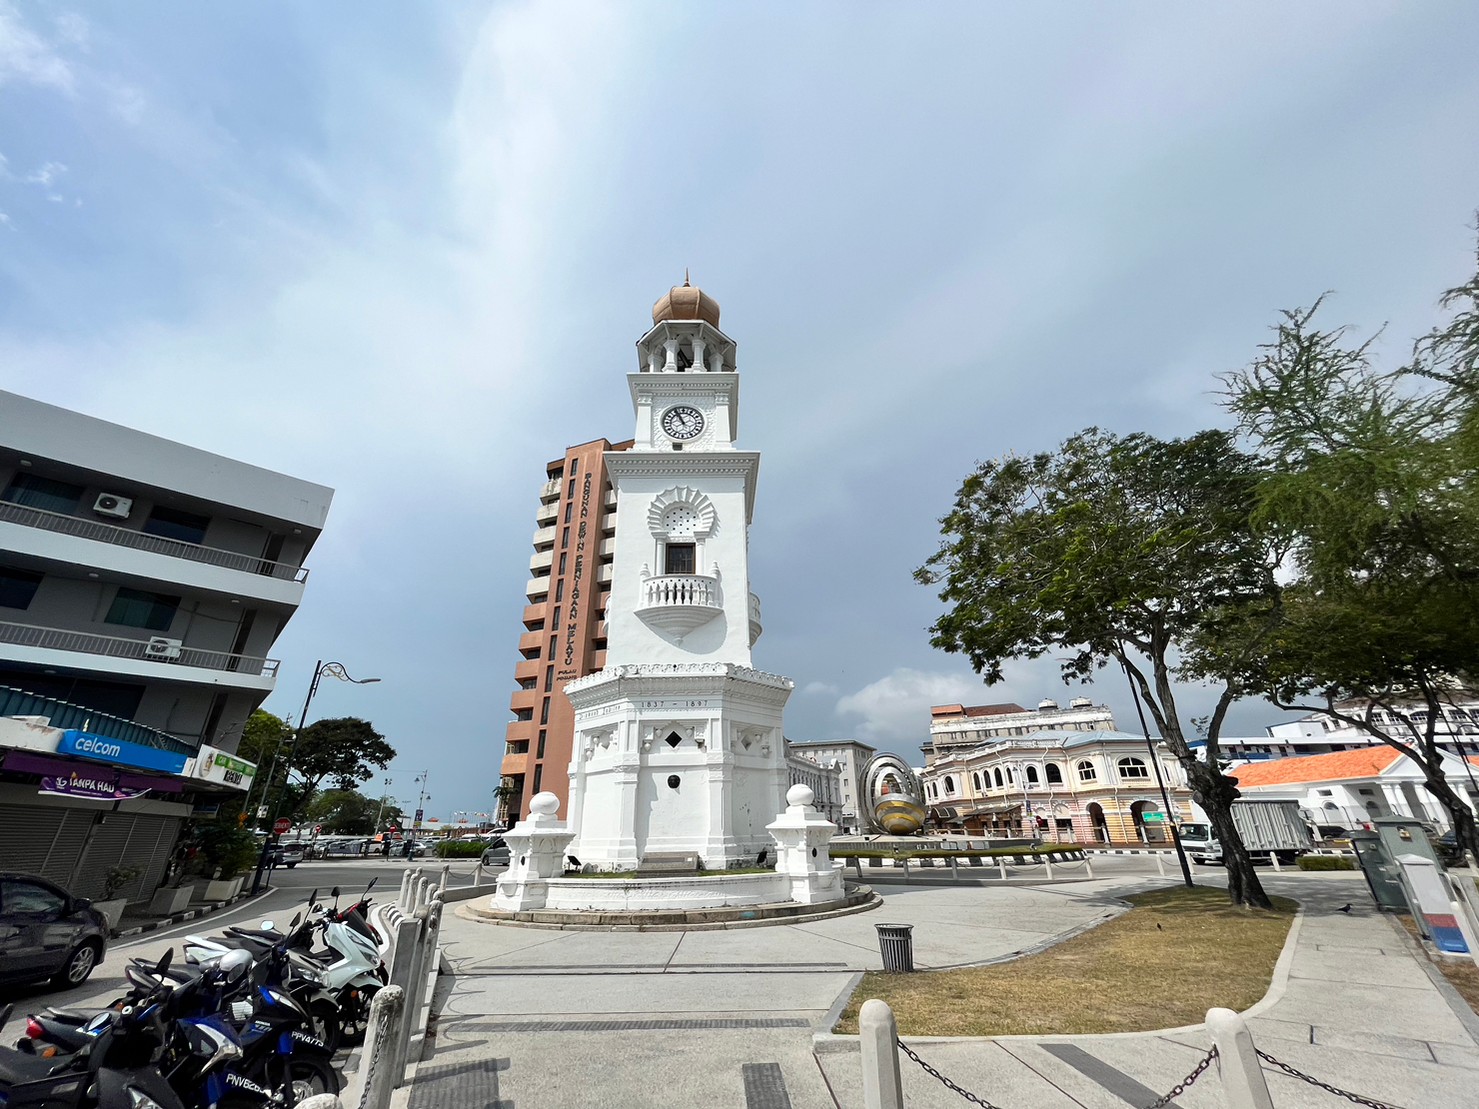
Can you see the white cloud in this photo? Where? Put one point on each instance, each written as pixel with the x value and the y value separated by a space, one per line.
pixel 47 174
pixel 812 689
pixel 27 58
pixel 896 708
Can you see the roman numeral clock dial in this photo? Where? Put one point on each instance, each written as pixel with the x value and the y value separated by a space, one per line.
pixel 682 422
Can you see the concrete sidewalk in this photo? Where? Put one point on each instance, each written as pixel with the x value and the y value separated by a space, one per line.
pixel 545 1020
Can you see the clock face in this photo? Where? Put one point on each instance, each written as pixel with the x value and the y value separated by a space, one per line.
pixel 682 422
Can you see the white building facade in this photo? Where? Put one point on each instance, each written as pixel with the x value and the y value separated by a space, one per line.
pixel 678 745
pixel 850 757
pixel 142 585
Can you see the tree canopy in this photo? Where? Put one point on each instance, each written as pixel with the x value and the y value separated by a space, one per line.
pixel 1370 472
pixel 344 750
pixel 1113 548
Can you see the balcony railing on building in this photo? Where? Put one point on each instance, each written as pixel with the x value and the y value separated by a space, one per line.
pixel 679 603
pixel 141 541
pixel 163 651
pixel 65 715
pixel 755 626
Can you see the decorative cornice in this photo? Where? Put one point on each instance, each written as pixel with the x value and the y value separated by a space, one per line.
pixel 677 679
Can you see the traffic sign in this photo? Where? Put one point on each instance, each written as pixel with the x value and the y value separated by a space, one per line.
pixel 1153 817
pixel 282 825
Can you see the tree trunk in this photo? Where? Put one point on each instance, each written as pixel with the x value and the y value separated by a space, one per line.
pixel 1459 813
pixel 1218 794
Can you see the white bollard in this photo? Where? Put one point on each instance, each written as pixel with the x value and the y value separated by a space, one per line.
pixel 321 1101
pixel 477 874
pixel 1273 857
pixel 1160 863
pixel 1001 865
pixel 446 873
pixel 377 1058
pixel 1047 861
pixel 1088 866
pixel 1243 1083
pixel 878 1035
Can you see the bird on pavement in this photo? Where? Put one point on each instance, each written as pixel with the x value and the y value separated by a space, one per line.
pixel 1158 928
pixel 760 858
pixel 1344 908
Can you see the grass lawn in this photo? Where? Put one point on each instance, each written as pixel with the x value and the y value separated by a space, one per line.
pixel 1176 954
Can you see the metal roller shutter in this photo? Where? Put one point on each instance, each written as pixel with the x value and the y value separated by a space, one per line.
pixel 26 835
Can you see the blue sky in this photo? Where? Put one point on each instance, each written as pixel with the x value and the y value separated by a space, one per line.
pixel 366 243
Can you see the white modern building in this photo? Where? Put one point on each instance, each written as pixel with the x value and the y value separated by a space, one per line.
pixel 142 585
pixel 850 757
pixel 1456 731
pixel 678 739
pixel 955 728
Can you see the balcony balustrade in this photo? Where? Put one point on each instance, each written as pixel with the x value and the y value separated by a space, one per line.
pixel 551 490
pixel 755 626
pixel 149 650
pixel 679 603
pixel 126 537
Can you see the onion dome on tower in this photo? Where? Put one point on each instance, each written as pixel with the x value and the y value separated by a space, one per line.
pixel 686 302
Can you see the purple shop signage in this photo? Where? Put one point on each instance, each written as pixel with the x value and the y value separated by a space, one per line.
pixel 93 786
pixel 45 766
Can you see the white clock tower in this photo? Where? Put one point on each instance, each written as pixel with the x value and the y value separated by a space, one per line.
pixel 678 745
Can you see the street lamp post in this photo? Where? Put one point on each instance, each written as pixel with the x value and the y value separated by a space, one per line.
pixel 333 670
pixel 1155 761
pixel 384 794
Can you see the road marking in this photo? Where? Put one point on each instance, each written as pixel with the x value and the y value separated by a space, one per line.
pixel 652 1024
pixel 1120 1084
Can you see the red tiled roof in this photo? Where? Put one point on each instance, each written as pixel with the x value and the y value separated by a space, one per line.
pixel 976 710
pixel 1365 762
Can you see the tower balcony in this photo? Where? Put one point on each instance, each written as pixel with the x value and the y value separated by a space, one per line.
pixel 679 603
pixel 755 626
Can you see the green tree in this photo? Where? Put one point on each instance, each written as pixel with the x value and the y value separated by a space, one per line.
pixel 1113 549
pixel 1371 471
pixel 344 750
pixel 349 812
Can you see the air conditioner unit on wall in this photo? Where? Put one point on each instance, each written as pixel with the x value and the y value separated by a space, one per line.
pixel 159 647
pixel 111 504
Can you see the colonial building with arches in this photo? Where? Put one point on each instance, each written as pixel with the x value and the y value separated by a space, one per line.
pixel 1058 785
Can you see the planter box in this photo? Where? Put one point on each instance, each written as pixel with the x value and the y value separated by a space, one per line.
pixel 170 900
pixel 223 889
pixel 112 910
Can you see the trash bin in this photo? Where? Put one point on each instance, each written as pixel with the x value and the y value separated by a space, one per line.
pixel 896 944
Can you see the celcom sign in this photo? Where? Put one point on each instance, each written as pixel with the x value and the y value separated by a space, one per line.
pixel 101 748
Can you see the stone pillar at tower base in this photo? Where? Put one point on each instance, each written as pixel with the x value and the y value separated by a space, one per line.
pixel 801 835
pixel 536 854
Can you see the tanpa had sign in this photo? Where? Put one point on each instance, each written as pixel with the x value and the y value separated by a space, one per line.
pixel 77 784
pixel 217 766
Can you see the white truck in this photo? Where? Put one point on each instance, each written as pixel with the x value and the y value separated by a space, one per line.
pixel 1270 829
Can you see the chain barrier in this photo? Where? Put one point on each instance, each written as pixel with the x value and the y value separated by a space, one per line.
pixel 1161 1102
pixel 929 1070
pixel 1186 1083
pixel 1294 1072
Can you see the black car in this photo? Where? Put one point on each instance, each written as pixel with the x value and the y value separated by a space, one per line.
pixel 45 932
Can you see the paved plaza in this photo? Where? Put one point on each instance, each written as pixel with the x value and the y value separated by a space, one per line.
pixel 544 1019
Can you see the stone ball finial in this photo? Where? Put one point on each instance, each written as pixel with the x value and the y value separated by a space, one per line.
pixel 800 795
pixel 544 804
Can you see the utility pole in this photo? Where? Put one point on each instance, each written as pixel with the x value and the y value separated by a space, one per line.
pixel 385 793
pixel 1155 761
pixel 422 797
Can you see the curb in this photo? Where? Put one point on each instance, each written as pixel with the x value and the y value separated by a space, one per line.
pixel 180 918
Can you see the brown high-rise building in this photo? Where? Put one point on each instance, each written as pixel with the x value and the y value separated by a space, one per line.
pixel 564 623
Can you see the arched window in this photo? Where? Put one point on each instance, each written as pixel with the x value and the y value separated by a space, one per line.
pixel 1055 773
pixel 976 778
pixel 1032 775
pixel 1086 771
pixel 996 777
pixel 1131 767
pixel 1011 776
pixel 949 783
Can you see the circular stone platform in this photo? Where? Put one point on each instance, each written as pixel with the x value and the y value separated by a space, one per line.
pixel 859 899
